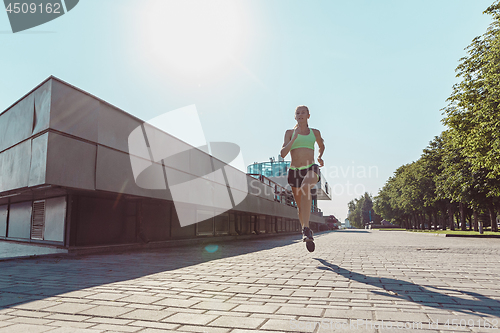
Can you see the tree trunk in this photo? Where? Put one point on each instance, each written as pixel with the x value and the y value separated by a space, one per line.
pixel 450 216
pixel 463 225
pixel 443 220
pixel 469 218
pixel 493 218
pixel 427 222
pixel 476 221
pixel 417 221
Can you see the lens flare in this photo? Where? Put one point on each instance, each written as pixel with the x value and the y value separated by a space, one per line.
pixel 211 248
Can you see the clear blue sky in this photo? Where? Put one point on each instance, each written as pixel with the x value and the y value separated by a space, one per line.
pixel 374 74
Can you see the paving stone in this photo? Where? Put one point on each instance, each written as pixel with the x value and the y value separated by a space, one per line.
pixel 149 315
pixel 78 294
pixel 25 328
pixel 105 296
pixel 203 329
pixel 300 311
pixel 190 319
pixel 156 330
pixel 67 317
pixel 256 308
pixel 112 321
pixel 144 306
pixel 401 316
pixel 272 316
pixel 36 305
pixel 69 308
pixel 290 325
pixel 176 302
pixel 207 305
pixel 30 320
pixel 151 324
pixel 28 313
pixel 70 324
pixel 348 314
pixel 116 328
pixel 75 330
pixel 237 322
pixel 140 299
pixel 106 311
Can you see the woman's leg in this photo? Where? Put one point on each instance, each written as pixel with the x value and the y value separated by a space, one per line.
pixel 303 197
pixel 304 192
pixel 297 196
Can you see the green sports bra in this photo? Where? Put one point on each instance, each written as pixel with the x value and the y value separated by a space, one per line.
pixel 304 141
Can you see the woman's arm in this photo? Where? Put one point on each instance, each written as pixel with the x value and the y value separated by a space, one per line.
pixel 287 145
pixel 321 145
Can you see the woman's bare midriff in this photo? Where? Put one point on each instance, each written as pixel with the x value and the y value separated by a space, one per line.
pixel 301 157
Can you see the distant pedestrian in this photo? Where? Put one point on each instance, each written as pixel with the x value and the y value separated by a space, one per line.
pixel 303 173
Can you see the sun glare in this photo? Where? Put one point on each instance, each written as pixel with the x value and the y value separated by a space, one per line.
pixel 191 36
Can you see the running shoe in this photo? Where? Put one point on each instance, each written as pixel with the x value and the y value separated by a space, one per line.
pixel 307 234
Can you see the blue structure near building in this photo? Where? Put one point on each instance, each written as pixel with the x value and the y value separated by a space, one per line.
pixel 277 172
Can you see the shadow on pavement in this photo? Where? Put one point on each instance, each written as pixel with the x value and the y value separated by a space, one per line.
pixel 419 294
pixel 26 280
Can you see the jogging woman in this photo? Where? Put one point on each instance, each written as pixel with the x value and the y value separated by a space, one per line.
pixel 303 173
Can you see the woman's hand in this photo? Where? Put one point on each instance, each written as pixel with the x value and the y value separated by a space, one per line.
pixel 320 161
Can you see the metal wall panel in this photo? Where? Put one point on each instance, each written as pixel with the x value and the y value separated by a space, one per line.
pixel 55 218
pixel 270 224
pixel 206 226
pixel 114 127
pixel 38 165
pixel 189 212
pixel 3 220
pixel 201 165
pixel 260 222
pixel 173 152
pixel 15 166
pixel 101 221
pixel 237 179
pixel 70 162
pixel 20 220
pixel 16 124
pixel 151 177
pixel 221 222
pixel 42 107
pixel 114 174
pixel 156 220
pixel 73 112
pixel 243 222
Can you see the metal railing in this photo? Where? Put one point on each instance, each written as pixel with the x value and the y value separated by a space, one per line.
pixel 281 194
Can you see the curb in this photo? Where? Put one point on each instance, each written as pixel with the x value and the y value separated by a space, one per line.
pixel 453 235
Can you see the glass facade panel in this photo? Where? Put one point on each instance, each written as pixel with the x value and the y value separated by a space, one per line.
pixel 269 169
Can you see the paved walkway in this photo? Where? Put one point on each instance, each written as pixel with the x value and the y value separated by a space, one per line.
pixel 356 281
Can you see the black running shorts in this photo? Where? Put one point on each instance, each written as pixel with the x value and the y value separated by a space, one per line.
pixel 295 177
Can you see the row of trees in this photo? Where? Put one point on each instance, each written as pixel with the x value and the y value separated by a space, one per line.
pixel 458 174
pixel 361 211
